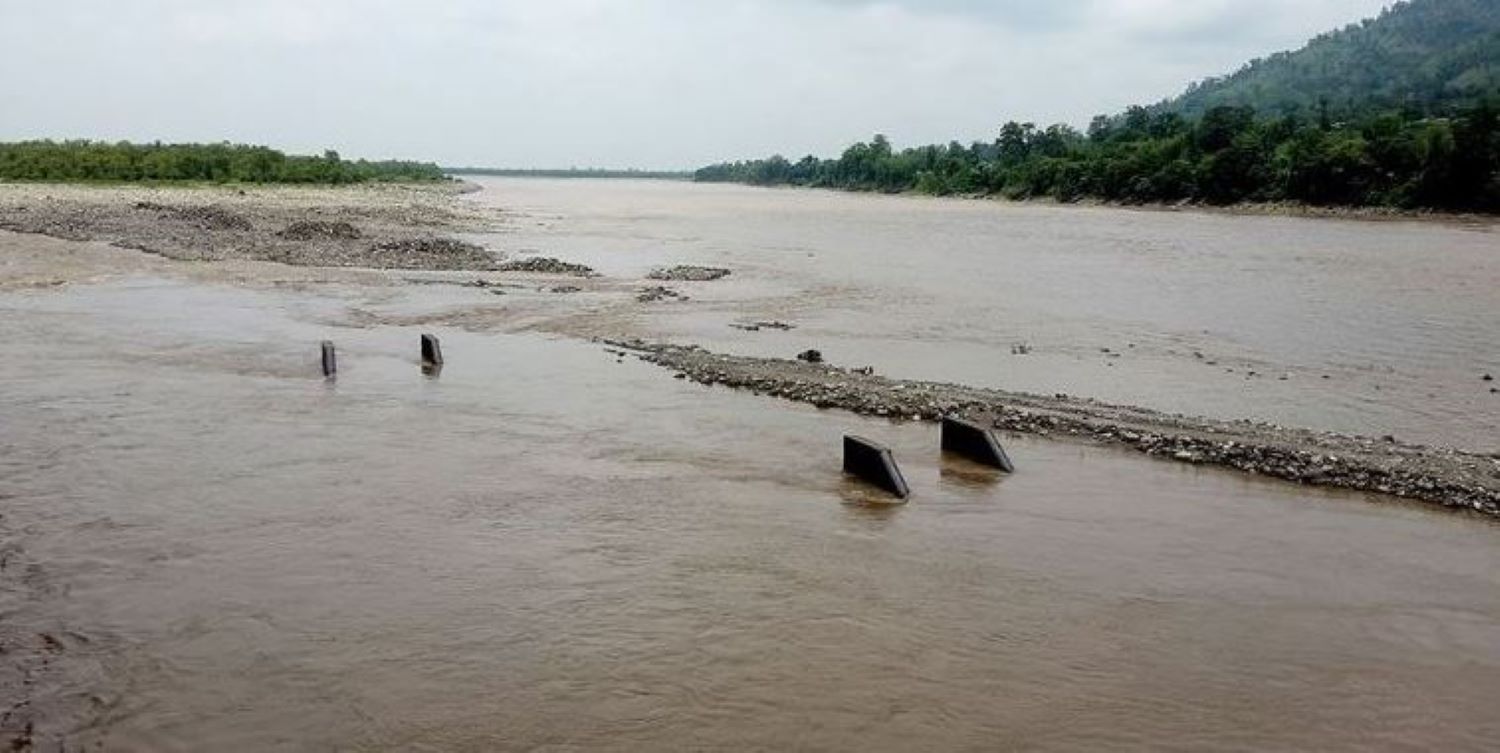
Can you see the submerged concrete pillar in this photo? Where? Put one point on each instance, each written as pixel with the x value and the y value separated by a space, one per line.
pixel 874 464
pixel 432 351
pixel 330 360
pixel 976 443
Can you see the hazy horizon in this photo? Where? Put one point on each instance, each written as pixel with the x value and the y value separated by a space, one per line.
pixel 656 84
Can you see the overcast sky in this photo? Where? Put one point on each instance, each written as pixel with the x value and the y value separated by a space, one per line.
pixel 611 83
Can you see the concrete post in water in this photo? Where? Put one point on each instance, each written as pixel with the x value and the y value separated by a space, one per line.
pixel 874 464
pixel 330 360
pixel 976 443
pixel 432 351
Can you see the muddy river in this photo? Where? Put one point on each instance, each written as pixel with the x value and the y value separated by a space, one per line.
pixel 1370 327
pixel 209 547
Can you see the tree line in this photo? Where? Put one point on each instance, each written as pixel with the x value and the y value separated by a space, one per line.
pixel 98 161
pixel 1404 159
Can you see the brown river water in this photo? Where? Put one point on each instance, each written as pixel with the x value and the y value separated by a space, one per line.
pixel 211 548
pixel 1370 327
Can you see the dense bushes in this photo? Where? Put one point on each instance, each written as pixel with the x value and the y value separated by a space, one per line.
pixel 124 162
pixel 1228 156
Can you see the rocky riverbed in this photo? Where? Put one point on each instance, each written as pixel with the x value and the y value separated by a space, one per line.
pixel 378 226
pixel 1447 477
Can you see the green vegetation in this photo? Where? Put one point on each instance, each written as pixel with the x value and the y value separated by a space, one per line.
pixel 1427 55
pixel 1228 156
pixel 97 161
pixel 1403 119
pixel 574 172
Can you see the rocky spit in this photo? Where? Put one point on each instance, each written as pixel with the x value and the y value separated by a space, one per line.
pixel 689 273
pixel 380 226
pixel 656 293
pixel 548 266
pixel 1451 478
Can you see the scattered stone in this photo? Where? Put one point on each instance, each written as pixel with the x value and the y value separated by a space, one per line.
pixel 1488 378
pixel 658 293
pixel 689 273
pixel 548 265
pixel 567 289
pixel 311 230
pixel 810 356
pixel 1020 349
pixel 202 217
pixel 760 325
pixel 431 253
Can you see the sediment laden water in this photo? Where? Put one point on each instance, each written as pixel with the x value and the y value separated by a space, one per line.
pixel 209 546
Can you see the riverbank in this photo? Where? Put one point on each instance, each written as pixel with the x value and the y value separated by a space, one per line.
pixel 1243 209
pixel 380 226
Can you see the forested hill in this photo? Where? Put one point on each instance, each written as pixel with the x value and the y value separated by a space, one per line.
pixel 1428 55
pixel 1400 111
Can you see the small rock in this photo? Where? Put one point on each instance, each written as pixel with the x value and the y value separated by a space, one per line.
pixel 548 265
pixel 658 293
pixel 689 273
pixel 810 356
pixel 311 230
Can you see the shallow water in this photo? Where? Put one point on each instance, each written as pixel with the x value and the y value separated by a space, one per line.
pixel 540 547
pixel 1401 317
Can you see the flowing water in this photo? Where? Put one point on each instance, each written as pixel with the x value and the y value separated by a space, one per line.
pixel 1367 327
pixel 541 547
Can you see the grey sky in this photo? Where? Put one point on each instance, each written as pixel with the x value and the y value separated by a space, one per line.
pixel 614 83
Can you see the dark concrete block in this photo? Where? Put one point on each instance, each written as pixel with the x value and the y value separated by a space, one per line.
pixel 976 443
pixel 874 464
pixel 330 359
pixel 432 350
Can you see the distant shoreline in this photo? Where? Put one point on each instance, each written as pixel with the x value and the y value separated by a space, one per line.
pixel 685 176
pixel 1244 209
